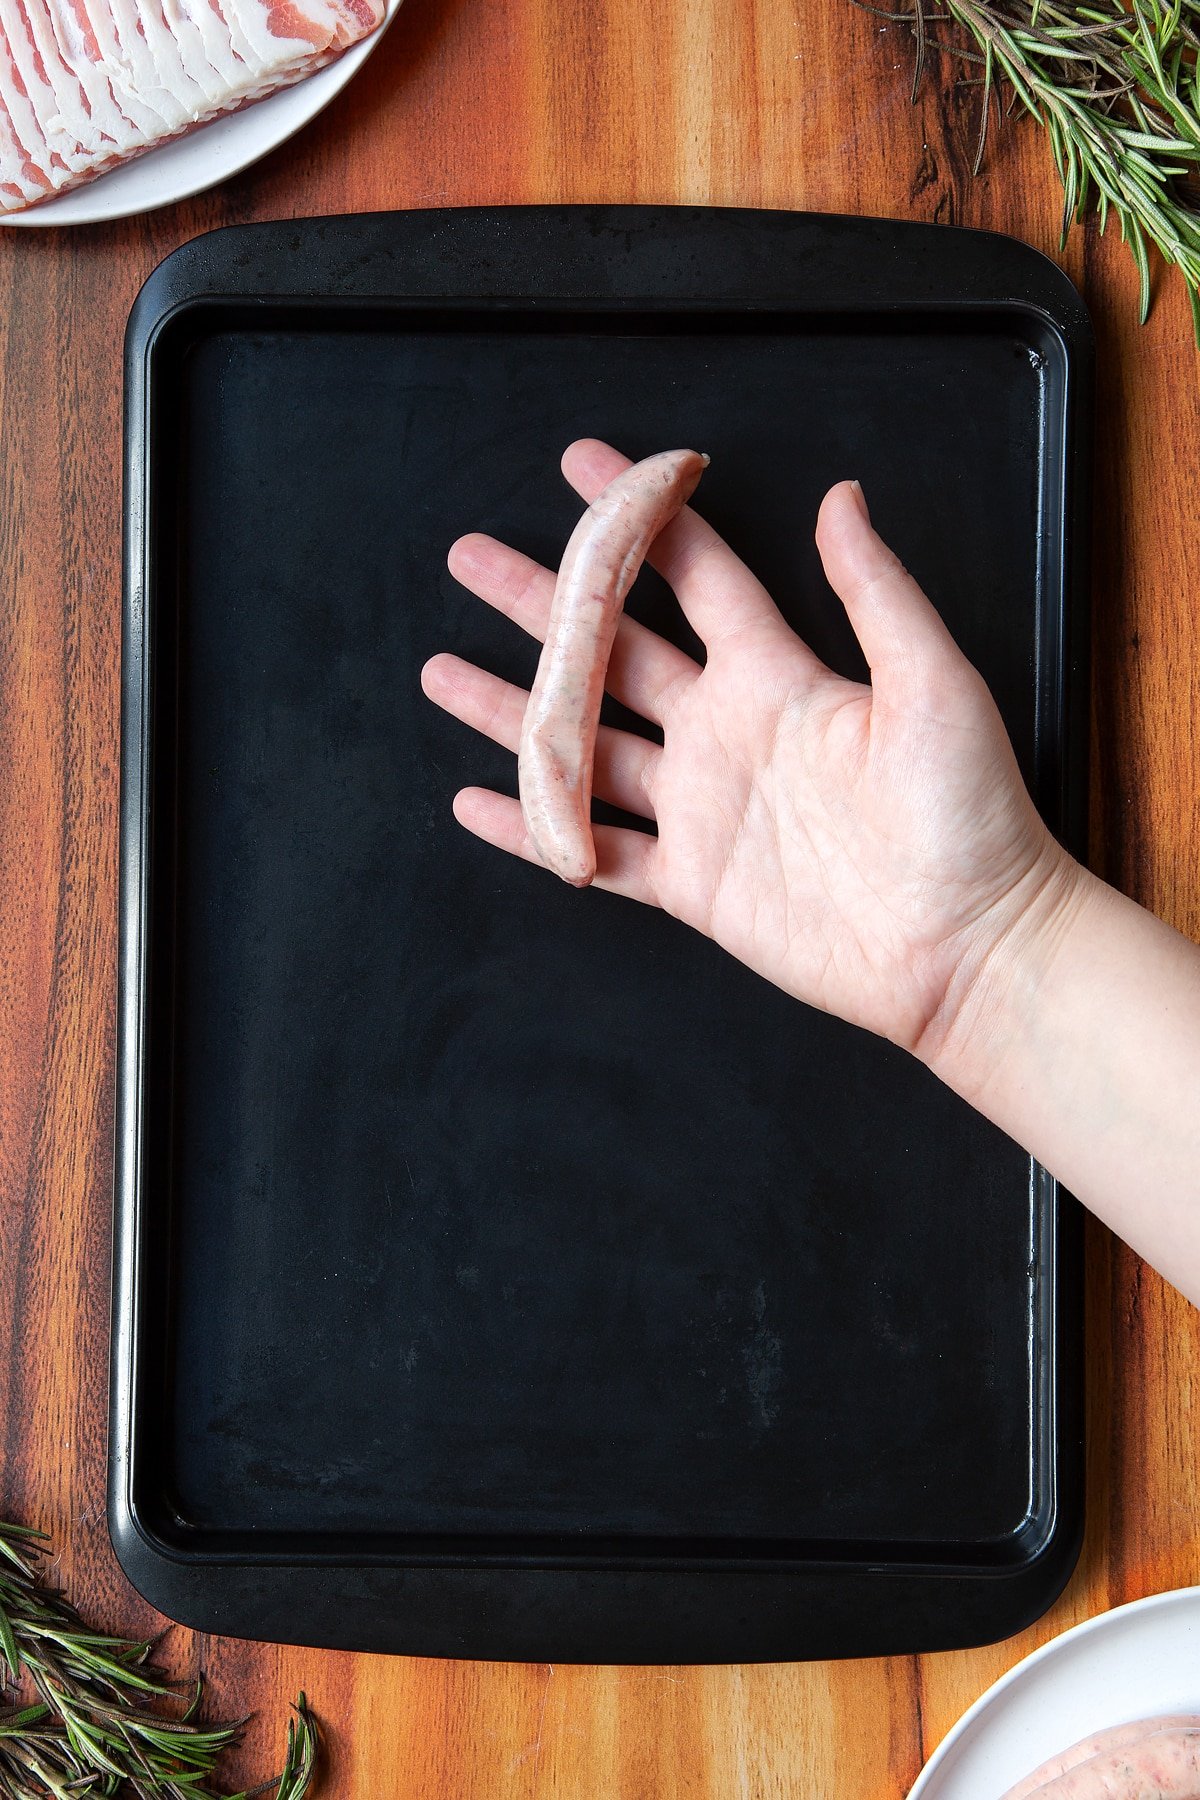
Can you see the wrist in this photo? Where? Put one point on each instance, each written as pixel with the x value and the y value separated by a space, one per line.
pixel 1004 973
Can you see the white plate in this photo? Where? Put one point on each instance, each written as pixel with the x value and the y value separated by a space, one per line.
pixel 210 154
pixel 1131 1663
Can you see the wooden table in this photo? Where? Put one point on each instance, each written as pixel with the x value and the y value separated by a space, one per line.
pixel 750 103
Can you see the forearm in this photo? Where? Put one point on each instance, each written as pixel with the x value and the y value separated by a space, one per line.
pixel 1079 1035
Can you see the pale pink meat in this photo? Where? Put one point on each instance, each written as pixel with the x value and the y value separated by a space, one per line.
pixel 558 736
pixel 21 181
pixel 129 56
pixel 1116 1737
pixel 53 120
pixel 88 84
pixel 99 42
pixel 188 45
pixel 200 22
pixel 21 142
pixel 80 70
pixel 1161 1764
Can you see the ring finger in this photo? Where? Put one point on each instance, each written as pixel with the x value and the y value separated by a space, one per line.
pixel 624 763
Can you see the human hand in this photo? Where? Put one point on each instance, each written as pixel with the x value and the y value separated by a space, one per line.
pixel 866 848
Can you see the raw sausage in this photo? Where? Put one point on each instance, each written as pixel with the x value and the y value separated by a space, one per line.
pixel 1158 1765
pixel 1117 1737
pixel 558 736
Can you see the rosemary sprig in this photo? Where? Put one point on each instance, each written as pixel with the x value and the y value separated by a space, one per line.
pixel 300 1761
pixel 1116 86
pixel 94 1717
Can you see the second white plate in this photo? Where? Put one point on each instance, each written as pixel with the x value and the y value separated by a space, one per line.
pixel 1130 1663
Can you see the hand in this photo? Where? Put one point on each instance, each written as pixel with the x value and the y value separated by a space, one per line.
pixel 864 847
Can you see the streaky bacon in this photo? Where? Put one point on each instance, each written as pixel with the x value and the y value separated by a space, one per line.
pixel 86 85
pixel 22 183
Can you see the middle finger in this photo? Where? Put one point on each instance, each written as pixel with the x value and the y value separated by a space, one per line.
pixel 645 673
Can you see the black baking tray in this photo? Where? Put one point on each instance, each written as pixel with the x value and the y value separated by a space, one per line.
pixel 503 1271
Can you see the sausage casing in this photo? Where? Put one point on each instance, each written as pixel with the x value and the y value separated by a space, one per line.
pixel 558 736
pixel 1150 1759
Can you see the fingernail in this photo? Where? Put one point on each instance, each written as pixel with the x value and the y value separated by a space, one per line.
pixel 860 500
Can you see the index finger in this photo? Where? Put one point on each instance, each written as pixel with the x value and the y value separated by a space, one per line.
pixel 718 593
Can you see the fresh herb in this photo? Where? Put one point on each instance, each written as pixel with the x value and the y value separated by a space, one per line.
pixel 93 1716
pixel 1116 88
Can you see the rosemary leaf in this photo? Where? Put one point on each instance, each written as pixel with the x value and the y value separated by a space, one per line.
pixel 106 1722
pixel 301 1757
pixel 8 1644
pixel 1115 84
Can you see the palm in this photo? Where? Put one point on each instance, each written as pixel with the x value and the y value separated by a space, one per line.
pixel 814 837
pixel 844 841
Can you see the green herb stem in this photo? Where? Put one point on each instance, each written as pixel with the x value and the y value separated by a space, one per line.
pixel 1116 88
pixel 105 1721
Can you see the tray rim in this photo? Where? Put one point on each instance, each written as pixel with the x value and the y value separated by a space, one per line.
pixel 260 265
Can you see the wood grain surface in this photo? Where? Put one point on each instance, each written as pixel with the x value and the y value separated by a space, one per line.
pixel 740 102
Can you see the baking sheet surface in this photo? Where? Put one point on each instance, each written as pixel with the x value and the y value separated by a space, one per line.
pixel 494 1208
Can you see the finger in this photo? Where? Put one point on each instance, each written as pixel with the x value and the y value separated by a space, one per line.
pixel 624 763
pixel 623 857
pixel 716 590
pixel 901 632
pixel 645 673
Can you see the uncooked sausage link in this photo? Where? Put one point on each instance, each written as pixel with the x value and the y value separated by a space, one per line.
pixel 1117 1737
pixel 558 736
pixel 1156 1759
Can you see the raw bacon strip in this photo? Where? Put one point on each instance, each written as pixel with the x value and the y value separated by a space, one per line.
pixel 95 27
pixel 58 101
pixel 138 68
pixel 210 59
pixel 246 78
pixel 243 75
pixel 26 160
pixel 187 93
pixel 75 45
pixel 238 40
pixel 88 84
pixel 284 29
pixel 139 74
pixel 219 51
pixel 357 18
pixel 185 44
pixel 21 182
pixel 49 119
pixel 239 43
pixel 128 66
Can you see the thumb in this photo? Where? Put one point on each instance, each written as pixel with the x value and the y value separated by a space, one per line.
pixel 900 631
